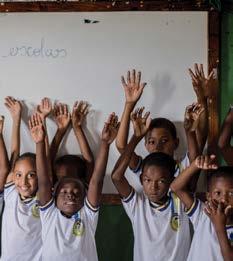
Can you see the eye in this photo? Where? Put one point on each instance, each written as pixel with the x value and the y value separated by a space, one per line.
pixel 163 141
pixel 161 181
pixel 18 175
pixel 151 142
pixel 146 180
pixel 217 193
pixel 31 174
pixel 231 193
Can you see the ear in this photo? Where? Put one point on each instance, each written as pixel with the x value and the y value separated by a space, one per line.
pixel 176 143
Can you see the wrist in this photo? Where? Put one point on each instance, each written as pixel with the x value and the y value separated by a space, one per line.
pixel 137 138
pixel 105 144
pixel 62 129
pixel 219 226
pixel 130 105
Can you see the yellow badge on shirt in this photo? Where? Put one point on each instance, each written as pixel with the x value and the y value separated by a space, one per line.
pixel 35 211
pixel 175 222
pixel 78 228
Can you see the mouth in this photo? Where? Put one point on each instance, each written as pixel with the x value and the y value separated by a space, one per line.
pixel 70 203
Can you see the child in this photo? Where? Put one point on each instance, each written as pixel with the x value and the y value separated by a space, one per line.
pixel 211 241
pixel 21 226
pixel 161 230
pixel 224 142
pixel 69 218
pixel 72 165
pixel 162 135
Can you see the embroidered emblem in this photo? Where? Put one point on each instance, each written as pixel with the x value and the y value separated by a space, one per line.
pixel 175 222
pixel 78 228
pixel 231 238
pixel 35 211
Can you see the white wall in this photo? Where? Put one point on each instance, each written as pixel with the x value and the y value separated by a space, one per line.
pixel 90 58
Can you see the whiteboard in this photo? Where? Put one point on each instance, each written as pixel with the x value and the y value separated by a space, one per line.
pixel 81 56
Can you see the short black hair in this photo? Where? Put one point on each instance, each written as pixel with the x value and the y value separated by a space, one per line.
pixel 165 124
pixel 27 155
pixel 73 160
pixel 220 172
pixel 160 159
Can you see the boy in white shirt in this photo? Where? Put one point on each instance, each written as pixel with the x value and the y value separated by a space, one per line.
pixel 213 230
pixel 161 229
pixel 69 217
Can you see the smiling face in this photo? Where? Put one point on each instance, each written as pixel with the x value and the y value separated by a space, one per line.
pixel 161 140
pixel 156 181
pixel 25 178
pixel 70 197
pixel 221 191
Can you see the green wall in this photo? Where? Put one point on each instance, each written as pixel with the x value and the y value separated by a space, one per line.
pixel 114 235
pixel 226 64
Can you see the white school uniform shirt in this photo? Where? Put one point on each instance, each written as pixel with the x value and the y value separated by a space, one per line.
pixel 69 239
pixel 205 245
pixel 180 166
pixel 21 227
pixel 156 234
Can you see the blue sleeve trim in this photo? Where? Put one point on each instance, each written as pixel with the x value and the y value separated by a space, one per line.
pixel 131 195
pixel 46 206
pixel 9 184
pixel 88 204
pixel 193 208
pixel 139 166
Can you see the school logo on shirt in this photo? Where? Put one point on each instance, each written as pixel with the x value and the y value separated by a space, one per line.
pixel 78 228
pixel 175 222
pixel 231 238
pixel 35 211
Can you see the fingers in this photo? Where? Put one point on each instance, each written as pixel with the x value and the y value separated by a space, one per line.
pixel 35 120
pixel 60 109
pixel 132 78
pixel 206 162
pixel 138 78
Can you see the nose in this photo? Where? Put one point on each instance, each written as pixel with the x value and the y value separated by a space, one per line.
pixel 24 181
pixel 154 186
pixel 224 199
pixel 70 196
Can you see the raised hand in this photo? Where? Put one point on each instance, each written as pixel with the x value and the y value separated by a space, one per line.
pixel 205 162
pixel 1 123
pixel 14 106
pixel 132 86
pixel 217 212
pixel 192 116
pixel 61 116
pixel 110 129
pixel 45 108
pixel 141 123
pixel 201 83
pixel 79 113
pixel 36 128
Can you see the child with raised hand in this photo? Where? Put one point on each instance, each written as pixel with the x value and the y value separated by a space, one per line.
pixel 161 229
pixel 72 165
pixel 21 226
pixel 161 135
pixel 224 142
pixel 212 236
pixel 69 216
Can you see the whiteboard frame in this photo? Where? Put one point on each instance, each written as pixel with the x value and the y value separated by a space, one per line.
pixel 164 5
